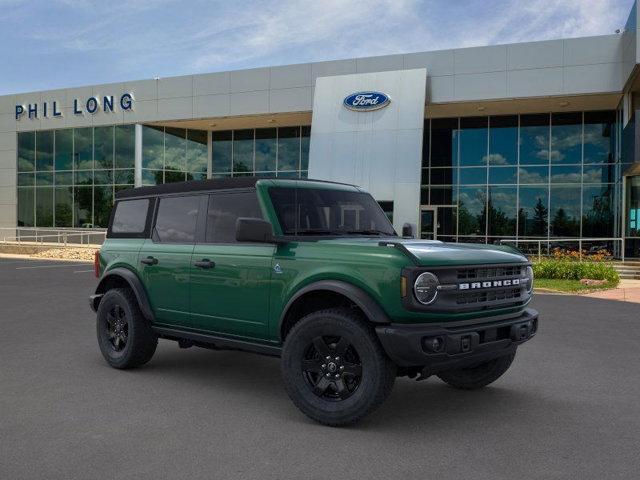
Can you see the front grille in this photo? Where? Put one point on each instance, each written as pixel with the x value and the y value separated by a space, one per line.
pixel 469 298
pixel 485 273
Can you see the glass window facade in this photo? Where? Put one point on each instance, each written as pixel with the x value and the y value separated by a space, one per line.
pixel 540 176
pixel 68 177
pixel 173 155
pixel 281 152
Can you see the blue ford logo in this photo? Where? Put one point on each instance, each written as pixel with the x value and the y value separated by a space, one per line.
pixel 366 101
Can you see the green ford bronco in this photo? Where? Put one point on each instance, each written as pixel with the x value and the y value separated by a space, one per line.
pixel 312 272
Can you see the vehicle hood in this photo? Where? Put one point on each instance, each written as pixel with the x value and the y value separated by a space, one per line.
pixel 428 253
pixel 433 252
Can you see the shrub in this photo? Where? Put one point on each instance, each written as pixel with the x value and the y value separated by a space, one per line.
pixel 575 270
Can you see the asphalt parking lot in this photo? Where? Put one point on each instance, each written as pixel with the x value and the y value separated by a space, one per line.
pixel 568 408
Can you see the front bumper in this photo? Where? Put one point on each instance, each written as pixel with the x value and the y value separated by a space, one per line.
pixel 460 344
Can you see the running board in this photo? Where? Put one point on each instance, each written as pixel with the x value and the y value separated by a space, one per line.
pixel 209 340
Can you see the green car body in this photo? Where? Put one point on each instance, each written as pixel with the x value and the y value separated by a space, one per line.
pixel 251 293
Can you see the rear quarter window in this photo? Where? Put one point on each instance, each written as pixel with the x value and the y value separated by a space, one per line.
pixel 130 218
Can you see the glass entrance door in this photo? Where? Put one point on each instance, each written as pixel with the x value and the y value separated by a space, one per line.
pixel 428 223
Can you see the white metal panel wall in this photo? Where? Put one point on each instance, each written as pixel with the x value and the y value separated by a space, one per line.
pixel 379 150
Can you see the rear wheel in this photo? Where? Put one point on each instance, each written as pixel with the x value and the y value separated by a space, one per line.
pixel 125 337
pixel 334 368
pixel 478 376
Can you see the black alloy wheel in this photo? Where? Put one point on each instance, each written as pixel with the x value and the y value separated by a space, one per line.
pixel 332 367
pixel 118 327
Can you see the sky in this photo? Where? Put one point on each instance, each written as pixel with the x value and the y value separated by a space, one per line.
pixel 48 44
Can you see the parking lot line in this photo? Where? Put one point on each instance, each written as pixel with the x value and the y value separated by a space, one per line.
pixel 52 266
pixel 83 271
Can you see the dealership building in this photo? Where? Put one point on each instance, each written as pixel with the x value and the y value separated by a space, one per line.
pixel 533 143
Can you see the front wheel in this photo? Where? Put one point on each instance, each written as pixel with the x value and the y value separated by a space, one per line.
pixel 477 376
pixel 334 368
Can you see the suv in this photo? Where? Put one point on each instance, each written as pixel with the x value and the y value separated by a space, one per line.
pixel 312 272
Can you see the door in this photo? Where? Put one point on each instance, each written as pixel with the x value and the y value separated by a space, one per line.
pixel 230 281
pixel 428 222
pixel 165 259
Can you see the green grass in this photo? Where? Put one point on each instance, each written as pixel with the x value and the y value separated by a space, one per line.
pixel 569 286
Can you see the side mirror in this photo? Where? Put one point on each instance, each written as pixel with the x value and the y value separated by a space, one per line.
pixel 254 230
pixel 407 230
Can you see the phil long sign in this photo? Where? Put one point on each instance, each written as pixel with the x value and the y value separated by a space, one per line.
pixel 91 105
pixel 366 101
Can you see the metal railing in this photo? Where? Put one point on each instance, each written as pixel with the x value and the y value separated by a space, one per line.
pixel 52 236
pixel 545 247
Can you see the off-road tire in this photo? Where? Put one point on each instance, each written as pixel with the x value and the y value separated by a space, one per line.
pixel 377 371
pixel 477 376
pixel 141 341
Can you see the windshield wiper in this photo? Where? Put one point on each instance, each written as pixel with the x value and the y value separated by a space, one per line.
pixel 368 232
pixel 315 231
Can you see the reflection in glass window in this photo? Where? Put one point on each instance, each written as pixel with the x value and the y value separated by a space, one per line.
pixel 473 141
pixel 471 211
pixel 102 203
pixel 503 175
pixel 26 151
pixel 125 151
pixel 534 139
pixel 266 146
pixel 534 175
pixel 130 216
pixel 564 212
pixel 44 206
pixel 152 147
pixel 288 148
pixel 83 206
pixel 503 140
pixel 103 147
pixel 26 206
pixel 533 212
pixel 197 153
pixel 222 151
pixel 83 148
pixel 242 151
pixel 571 174
pixel 473 176
pixel 224 210
pixel 501 211
pixel 597 211
pixel 44 150
pixel 63 206
pixel 63 158
pixel 175 149
pixel 598 137
pixel 566 138
pixel 444 142
pixel 176 219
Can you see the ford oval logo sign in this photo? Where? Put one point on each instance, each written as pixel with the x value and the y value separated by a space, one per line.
pixel 366 101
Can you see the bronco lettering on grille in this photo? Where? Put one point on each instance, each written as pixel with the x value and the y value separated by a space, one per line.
pixel 489 284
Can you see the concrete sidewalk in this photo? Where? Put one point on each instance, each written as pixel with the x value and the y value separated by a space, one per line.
pixel 627 291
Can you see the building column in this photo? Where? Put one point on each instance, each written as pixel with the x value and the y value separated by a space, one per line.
pixel 209 154
pixel 138 157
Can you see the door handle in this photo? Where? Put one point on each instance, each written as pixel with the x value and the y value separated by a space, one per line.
pixel 204 263
pixel 149 261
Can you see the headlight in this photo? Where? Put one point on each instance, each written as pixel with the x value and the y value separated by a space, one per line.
pixel 426 288
pixel 529 274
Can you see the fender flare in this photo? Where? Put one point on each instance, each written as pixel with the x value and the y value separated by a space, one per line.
pixel 362 299
pixel 134 283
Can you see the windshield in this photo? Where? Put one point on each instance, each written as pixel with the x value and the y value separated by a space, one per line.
pixel 317 211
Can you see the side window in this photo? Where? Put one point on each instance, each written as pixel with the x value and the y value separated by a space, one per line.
pixel 224 210
pixel 130 216
pixel 176 220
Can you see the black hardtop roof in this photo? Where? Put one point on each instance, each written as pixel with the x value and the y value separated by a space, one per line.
pixel 205 185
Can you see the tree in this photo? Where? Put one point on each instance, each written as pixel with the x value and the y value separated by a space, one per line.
pixel 540 219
